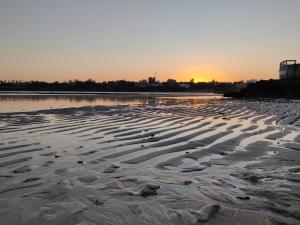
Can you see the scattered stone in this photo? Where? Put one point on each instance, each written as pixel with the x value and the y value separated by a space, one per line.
pixel 22 169
pixel 243 197
pixel 56 156
pixel 178 181
pixel 149 189
pixel 80 162
pixel 194 168
pixel 111 169
pixel 223 153
pixel 88 179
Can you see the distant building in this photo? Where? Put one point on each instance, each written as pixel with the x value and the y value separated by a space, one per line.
pixel 142 83
pixel 288 69
pixel 151 80
pixel 185 85
pixel 240 85
pixel 252 81
pixel 171 82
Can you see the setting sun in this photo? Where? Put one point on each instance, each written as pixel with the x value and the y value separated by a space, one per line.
pixel 200 74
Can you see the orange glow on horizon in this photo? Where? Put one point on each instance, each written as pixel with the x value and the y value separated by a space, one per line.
pixel 201 74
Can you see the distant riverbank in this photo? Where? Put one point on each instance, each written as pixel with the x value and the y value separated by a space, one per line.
pixel 286 88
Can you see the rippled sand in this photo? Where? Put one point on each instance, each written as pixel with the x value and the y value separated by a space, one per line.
pixel 181 161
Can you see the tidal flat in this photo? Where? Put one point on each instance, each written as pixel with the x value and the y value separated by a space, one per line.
pixel 149 159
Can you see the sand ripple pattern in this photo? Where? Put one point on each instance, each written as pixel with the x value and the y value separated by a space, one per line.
pixel 177 162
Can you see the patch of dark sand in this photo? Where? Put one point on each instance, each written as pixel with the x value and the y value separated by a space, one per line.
pixel 6 176
pixel 95 199
pixel 47 163
pixel 48 153
pixel 23 169
pixel 88 153
pixel 248 217
pixel 51 192
pixel 30 179
pixel 14 161
pixel 95 161
pixel 134 207
pixel 293 146
pixel 20 185
pixel 250 176
pixel 294 170
pixel 217 193
pixel 61 171
pixel 60 212
pixel 112 185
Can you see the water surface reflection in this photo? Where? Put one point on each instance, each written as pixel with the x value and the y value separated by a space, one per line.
pixel 24 102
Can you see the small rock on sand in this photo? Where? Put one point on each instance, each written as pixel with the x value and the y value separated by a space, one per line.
pixel 112 168
pixel 149 189
pixel 178 181
pixel 194 168
pixel 88 179
pixel 243 197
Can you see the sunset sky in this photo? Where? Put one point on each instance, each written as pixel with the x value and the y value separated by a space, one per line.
pixel 225 40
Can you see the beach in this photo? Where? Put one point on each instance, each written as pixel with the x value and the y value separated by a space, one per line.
pixel 167 159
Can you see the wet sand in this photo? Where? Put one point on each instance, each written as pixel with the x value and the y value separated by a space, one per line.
pixel 178 161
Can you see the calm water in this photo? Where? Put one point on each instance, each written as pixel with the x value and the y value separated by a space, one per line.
pixel 24 102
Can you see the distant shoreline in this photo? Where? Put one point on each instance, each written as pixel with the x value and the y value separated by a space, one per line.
pixel 274 89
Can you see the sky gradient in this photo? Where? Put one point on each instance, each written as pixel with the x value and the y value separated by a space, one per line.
pixel 225 40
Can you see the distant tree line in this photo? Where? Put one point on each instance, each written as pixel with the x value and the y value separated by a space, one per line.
pixel 116 86
pixel 285 88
